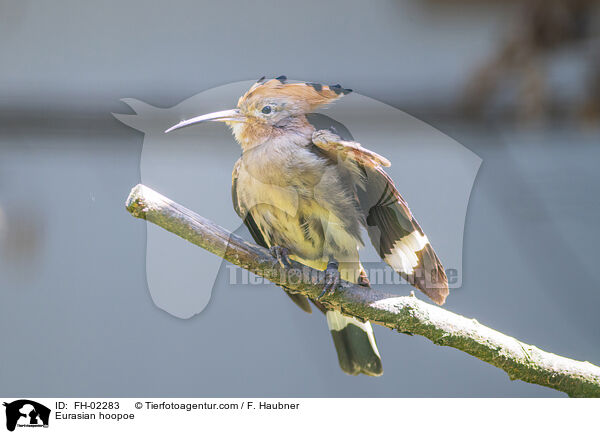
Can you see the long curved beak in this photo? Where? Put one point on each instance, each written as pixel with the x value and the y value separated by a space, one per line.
pixel 222 116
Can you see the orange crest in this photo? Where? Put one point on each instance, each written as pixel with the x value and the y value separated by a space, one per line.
pixel 306 97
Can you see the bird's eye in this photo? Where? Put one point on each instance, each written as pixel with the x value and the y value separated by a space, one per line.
pixel 266 109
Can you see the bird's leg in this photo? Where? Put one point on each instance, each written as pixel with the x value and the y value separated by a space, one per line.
pixel 282 256
pixel 332 278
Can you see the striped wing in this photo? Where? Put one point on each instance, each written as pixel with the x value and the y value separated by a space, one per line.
pixel 393 230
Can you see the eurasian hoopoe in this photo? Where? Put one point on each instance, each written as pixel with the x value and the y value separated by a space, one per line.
pixel 306 193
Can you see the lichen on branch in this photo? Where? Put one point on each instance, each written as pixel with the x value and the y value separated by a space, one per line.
pixel 406 314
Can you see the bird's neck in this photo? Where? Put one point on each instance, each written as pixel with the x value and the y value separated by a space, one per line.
pixel 252 134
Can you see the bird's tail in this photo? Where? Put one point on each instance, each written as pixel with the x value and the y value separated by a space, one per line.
pixel 355 345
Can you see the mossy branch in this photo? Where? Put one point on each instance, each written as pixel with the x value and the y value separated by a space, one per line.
pixel 405 314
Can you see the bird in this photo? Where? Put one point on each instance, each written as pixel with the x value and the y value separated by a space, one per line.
pixel 305 193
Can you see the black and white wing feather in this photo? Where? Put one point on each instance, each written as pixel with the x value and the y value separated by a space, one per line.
pixel 393 230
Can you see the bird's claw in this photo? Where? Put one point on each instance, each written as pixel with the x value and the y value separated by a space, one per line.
pixel 363 279
pixel 332 280
pixel 282 256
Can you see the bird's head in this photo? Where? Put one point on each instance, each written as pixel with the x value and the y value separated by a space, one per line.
pixel 270 108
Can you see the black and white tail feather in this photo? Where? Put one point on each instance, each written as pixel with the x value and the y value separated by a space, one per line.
pixel 355 345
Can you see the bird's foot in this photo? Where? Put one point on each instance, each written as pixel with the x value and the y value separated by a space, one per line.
pixel 363 279
pixel 332 279
pixel 282 256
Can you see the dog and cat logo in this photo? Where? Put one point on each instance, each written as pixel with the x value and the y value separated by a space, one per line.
pixel 25 413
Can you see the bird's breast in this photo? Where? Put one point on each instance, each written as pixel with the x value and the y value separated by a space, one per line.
pixel 297 200
pixel 260 190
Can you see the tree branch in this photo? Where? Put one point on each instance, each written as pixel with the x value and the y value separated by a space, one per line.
pixel 405 314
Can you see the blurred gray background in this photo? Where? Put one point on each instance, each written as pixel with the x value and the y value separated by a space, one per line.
pixel 75 312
